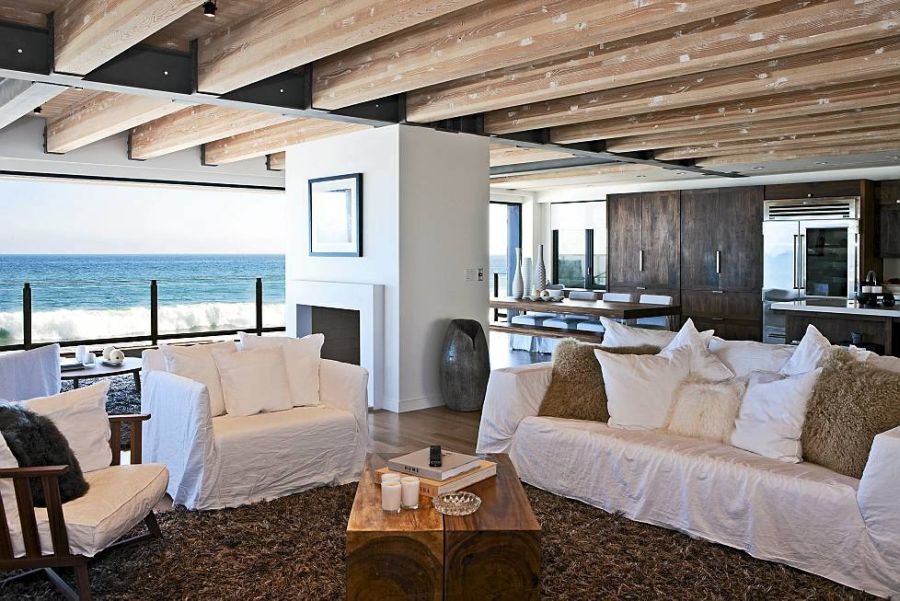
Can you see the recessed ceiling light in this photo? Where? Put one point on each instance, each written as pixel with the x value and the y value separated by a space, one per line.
pixel 821 162
pixel 758 168
pixel 640 176
pixel 209 8
pixel 895 158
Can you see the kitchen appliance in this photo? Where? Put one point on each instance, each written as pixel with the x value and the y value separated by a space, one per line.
pixel 811 251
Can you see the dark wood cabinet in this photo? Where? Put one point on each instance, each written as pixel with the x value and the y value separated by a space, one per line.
pixel 814 190
pixel 644 242
pixel 721 260
pixel 889 219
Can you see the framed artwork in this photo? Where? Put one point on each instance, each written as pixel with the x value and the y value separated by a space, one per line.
pixel 335 216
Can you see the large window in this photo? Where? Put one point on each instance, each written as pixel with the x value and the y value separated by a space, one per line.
pixel 505 238
pixel 579 244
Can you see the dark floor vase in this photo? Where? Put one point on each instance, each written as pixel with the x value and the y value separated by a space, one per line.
pixel 465 366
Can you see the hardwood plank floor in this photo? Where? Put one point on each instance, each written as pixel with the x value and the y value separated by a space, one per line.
pixel 405 432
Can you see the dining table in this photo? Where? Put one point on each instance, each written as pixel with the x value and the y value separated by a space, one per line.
pixel 598 308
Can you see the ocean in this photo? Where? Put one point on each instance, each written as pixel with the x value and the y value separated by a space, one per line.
pixel 97 296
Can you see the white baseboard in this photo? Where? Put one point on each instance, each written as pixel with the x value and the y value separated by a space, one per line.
pixel 425 402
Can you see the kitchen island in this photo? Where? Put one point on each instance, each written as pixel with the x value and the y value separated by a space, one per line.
pixel 837 319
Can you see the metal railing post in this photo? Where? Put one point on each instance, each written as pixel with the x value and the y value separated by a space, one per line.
pixel 496 295
pixel 259 306
pixel 154 313
pixel 26 316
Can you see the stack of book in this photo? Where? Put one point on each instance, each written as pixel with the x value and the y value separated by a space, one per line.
pixel 457 471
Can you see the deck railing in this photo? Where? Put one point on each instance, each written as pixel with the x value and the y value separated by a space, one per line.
pixel 153 335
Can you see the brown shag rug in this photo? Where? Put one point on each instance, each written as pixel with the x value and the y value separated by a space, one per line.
pixel 293 548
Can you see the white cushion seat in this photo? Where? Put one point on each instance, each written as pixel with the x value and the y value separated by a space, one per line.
pixel 119 497
pixel 565 322
pixel 532 319
pixel 590 326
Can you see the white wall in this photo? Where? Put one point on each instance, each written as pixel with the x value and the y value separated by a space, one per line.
pixel 22 150
pixel 425 204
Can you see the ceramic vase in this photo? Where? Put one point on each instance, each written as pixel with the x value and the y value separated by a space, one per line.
pixel 528 273
pixel 465 366
pixel 540 272
pixel 518 285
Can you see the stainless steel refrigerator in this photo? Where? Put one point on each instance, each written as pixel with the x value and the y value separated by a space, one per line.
pixel 811 251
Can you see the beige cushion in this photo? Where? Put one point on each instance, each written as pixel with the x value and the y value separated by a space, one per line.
pixel 81 417
pixel 851 404
pixel 706 409
pixel 576 388
pixel 196 363
pixel 746 356
pixel 254 381
pixel 119 497
pixel 302 357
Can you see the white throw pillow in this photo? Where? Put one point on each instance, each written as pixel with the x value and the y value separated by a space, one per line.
pixel 703 363
pixel 772 414
pixel 302 357
pixel 617 334
pixel 81 417
pixel 8 494
pixel 196 363
pixel 706 409
pixel 254 381
pixel 639 388
pixel 746 356
pixel 809 353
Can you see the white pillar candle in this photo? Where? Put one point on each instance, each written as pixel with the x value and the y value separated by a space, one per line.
pixel 410 492
pixel 390 496
pixel 390 477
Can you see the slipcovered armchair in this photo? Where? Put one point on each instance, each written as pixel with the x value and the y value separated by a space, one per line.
pixel 69 534
pixel 227 461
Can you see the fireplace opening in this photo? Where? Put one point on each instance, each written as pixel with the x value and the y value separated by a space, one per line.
pixel 340 327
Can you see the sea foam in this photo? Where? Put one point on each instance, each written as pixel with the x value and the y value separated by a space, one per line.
pixel 82 324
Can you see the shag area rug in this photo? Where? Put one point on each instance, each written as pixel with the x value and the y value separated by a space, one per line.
pixel 293 548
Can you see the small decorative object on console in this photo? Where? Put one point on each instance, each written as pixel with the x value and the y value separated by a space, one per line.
pixel 457 503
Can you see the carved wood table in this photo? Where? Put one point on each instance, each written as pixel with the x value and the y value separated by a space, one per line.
pixel 495 553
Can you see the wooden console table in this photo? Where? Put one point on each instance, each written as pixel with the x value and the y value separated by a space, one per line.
pixel 495 553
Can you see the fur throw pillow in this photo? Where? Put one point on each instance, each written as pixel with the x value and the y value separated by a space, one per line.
pixel 705 408
pixel 852 402
pixel 576 385
pixel 34 440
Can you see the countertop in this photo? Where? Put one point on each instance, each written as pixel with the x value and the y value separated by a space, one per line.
pixel 848 307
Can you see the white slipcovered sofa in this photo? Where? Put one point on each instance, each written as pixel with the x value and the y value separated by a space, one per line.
pixel 227 461
pixel 802 515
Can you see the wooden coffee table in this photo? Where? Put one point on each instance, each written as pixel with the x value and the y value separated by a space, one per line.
pixel 495 553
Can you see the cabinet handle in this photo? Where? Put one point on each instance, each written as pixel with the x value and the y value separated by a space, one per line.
pixel 718 261
pixel 718 291
pixel 640 260
pixel 796 260
pixel 640 288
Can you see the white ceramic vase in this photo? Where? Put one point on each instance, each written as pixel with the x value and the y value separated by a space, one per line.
pixel 518 287
pixel 528 273
pixel 540 271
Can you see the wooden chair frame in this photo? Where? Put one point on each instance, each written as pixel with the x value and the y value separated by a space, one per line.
pixel 33 560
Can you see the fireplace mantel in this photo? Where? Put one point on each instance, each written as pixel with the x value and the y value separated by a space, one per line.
pixel 367 299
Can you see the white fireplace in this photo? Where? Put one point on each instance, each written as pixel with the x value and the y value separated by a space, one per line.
pixel 302 297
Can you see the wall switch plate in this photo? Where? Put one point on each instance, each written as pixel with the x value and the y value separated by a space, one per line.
pixel 481 274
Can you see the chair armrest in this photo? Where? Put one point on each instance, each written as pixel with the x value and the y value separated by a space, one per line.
pixel 115 436
pixel 28 540
pixel 879 490
pixel 513 394
pixel 180 435
pixel 38 471
pixel 344 386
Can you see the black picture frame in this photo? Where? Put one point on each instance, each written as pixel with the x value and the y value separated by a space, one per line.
pixel 352 247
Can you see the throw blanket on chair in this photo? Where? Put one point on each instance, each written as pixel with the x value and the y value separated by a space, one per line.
pixel 30 374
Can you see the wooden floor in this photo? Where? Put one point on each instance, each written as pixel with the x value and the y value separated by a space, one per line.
pixel 457 431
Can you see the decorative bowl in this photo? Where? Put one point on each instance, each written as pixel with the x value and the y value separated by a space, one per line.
pixel 457 503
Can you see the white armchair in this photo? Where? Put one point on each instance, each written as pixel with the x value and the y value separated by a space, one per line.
pixel 227 461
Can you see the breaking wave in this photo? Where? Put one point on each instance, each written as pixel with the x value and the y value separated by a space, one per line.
pixel 80 324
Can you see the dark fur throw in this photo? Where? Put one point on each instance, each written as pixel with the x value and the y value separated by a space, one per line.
pixel 36 441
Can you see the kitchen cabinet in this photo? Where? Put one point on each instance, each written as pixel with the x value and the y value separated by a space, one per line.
pixel 644 243
pixel 889 219
pixel 814 190
pixel 721 260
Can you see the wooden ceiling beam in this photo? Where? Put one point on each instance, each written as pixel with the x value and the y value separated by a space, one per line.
pixel 88 33
pixel 756 158
pixel 272 139
pixel 497 34
pixel 288 34
pixel 19 98
pixel 104 115
pixel 503 154
pixel 827 139
pixel 573 172
pixel 847 64
pixel 762 33
pixel 831 122
pixel 194 126
pixel 276 161
pixel 810 103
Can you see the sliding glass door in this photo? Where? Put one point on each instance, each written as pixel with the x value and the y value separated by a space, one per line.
pixel 505 238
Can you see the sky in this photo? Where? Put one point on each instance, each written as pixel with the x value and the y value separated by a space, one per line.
pixel 64 217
